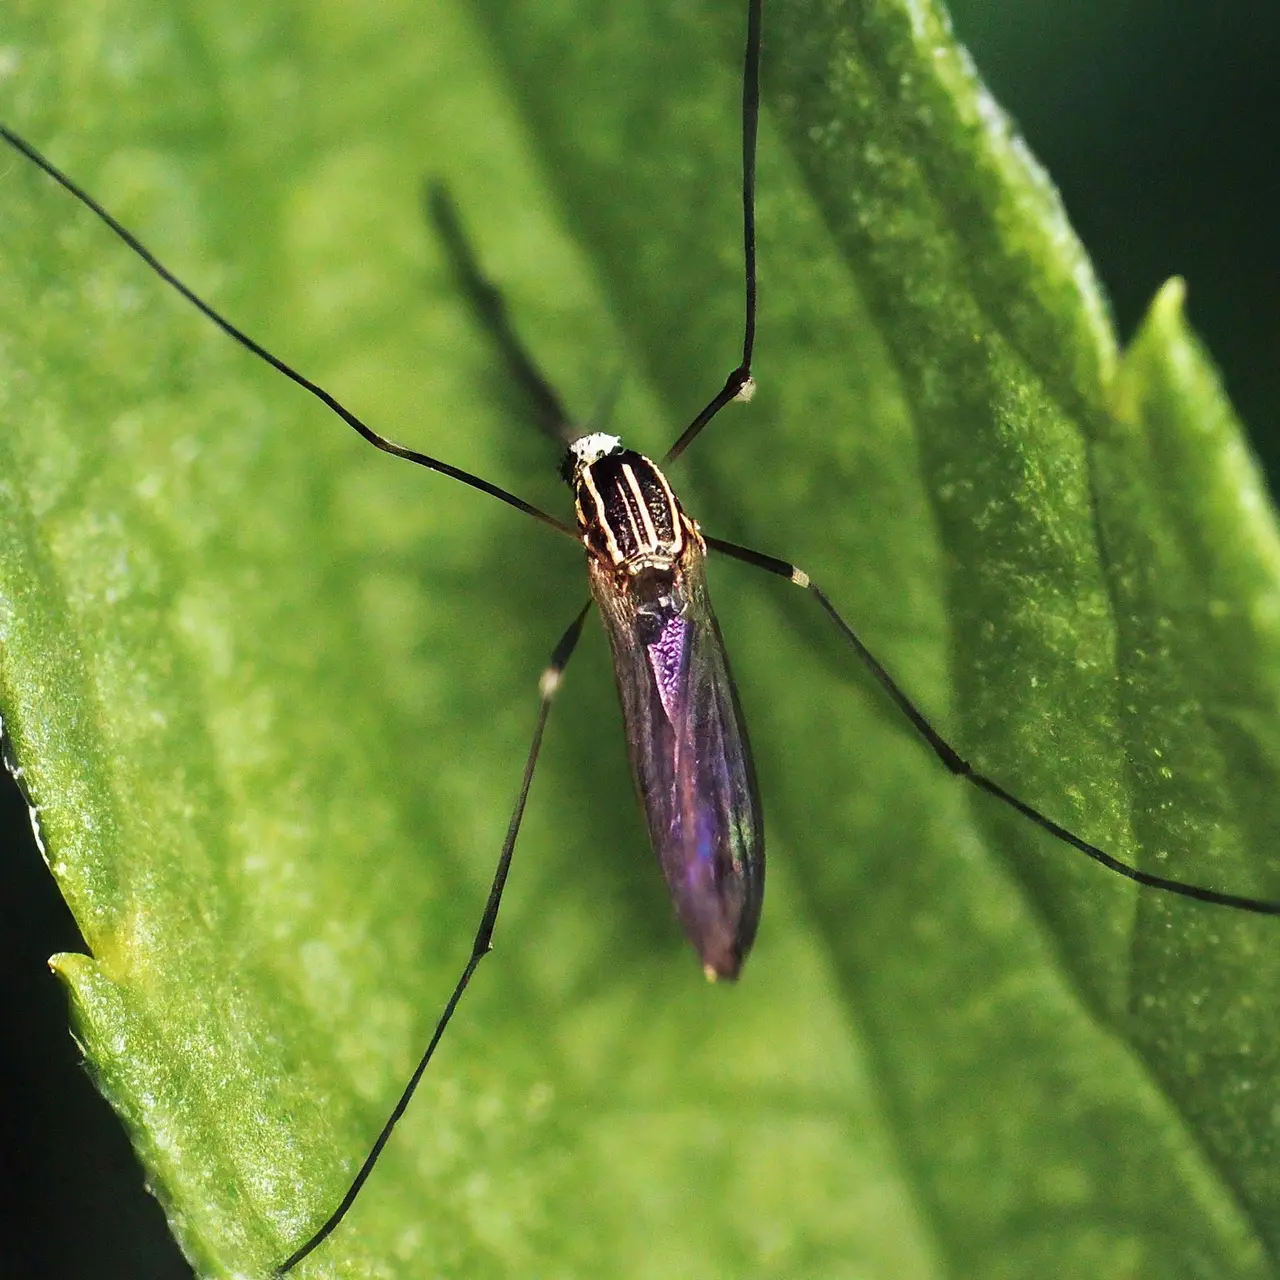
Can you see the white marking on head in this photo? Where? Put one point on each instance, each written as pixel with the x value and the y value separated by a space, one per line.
pixel 590 449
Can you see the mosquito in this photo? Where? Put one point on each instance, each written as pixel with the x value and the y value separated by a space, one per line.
pixel 686 737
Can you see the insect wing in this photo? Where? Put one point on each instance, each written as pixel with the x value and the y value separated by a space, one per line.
pixel 689 753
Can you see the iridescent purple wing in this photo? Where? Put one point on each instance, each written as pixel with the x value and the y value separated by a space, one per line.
pixel 689 752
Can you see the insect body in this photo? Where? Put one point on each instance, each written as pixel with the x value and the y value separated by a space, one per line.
pixel 685 732
pixel 645 558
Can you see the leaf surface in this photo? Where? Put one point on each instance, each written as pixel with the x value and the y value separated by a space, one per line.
pixel 271 690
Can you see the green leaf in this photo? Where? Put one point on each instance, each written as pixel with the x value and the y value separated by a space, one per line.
pixel 271 690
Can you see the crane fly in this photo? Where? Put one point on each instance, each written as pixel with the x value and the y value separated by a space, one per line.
pixel 687 740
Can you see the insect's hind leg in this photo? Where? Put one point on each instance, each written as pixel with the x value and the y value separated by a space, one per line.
pixel 961 767
pixel 548 686
pixel 550 415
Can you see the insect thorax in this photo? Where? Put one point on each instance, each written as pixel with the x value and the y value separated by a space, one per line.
pixel 627 512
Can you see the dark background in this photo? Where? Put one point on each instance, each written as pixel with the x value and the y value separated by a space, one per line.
pixel 1160 122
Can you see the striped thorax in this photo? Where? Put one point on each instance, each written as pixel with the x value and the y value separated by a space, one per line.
pixel 629 517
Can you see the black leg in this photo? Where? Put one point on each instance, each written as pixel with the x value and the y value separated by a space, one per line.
pixel 487 299
pixel 547 688
pixel 739 385
pixel 959 766
pixel 256 348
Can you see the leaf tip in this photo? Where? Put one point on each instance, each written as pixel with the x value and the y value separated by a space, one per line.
pixel 1168 305
pixel 67 966
pixel 1160 348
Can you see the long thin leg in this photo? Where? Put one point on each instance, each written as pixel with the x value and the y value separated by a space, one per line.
pixel 487 300
pixel 331 402
pixel 958 765
pixel 489 304
pixel 547 688
pixel 739 384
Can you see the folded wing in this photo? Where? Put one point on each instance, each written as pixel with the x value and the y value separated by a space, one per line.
pixel 689 753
